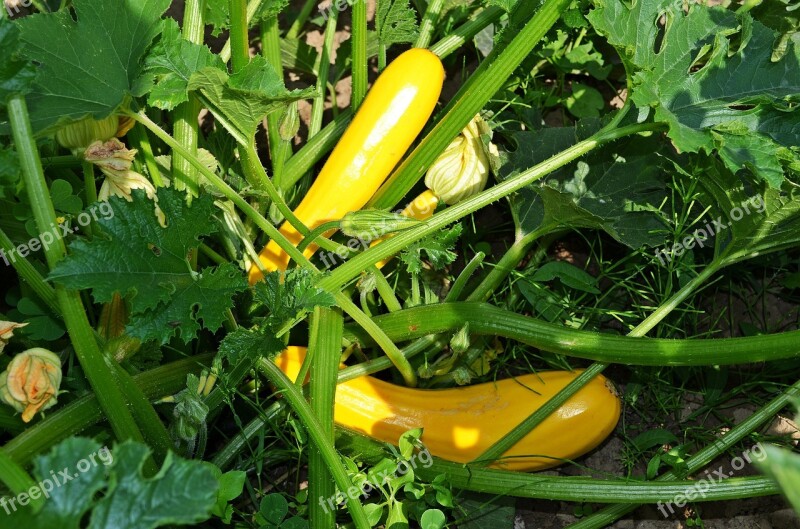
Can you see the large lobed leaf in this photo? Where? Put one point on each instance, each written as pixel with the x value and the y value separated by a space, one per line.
pixel 709 73
pixel 617 189
pixel 88 66
pixel 183 492
pixel 138 258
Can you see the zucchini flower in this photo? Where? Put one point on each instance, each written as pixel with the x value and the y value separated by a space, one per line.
pixel 31 382
pixel 7 332
pixel 79 135
pixel 462 170
pixel 114 161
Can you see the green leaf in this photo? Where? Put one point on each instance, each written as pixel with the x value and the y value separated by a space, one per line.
pixel 110 485
pixel 274 509
pixel 782 16
pixel 395 22
pixel 89 66
pixel 438 249
pixel 231 485
pixel 585 101
pixel 374 513
pixel 43 324
pixel 289 295
pixel 243 343
pixel 15 75
pixel 783 467
pixel 712 79
pixel 241 101
pixel 432 519
pixel 138 258
pixel 218 16
pixel 270 8
pixel 652 438
pixel 10 170
pixel 175 59
pixel 183 492
pixel 618 189
pixel 569 275
pixel 746 222
pixel 397 519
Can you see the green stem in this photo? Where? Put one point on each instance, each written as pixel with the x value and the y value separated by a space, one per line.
pixel 470 99
pixel 138 135
pixel 429 20
pixel 467 31
pixel 258 219
pixel 325 350
pixel 89 183
pixel 61 162
pixel 84 412
pixel 384 342
pixel 697 462
pixel 186 127
pixel 271 50
pixel 318 436
pixel 496 451
pixel 354 266
pixel 28 273
pixel 305 12
pixel 240 42
pixel 359 38
pixel 461 282
pixel 318 105
pixel 505 266
pixel 385 290
pixel 252 8
pixel 485 319
pixel 17 480
pixel 95 365
pixel 676 299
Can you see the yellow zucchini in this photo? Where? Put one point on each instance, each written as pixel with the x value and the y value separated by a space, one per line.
pixel 391 117
pixel 461 423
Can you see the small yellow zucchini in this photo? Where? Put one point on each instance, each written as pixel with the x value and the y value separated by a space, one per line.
pixel 459 424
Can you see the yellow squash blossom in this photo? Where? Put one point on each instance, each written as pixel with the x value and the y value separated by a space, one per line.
pixel 31 382
pixel 115 160
pixel 7 332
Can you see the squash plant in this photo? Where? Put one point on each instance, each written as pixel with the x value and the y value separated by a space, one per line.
pixel 168 351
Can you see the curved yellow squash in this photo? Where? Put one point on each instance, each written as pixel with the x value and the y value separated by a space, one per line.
pixel 392 115
pixel 461 423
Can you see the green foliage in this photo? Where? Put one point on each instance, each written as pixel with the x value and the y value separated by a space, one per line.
pixel 242 100
pixel 149 264
pixel 15 74
pixel 273 513
pixel 290 295
pixel 436 248
pixel 175 59
pixel 112 491
pixel 395 22
pixel 89 66
pixel 618 190
pixel 712 79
